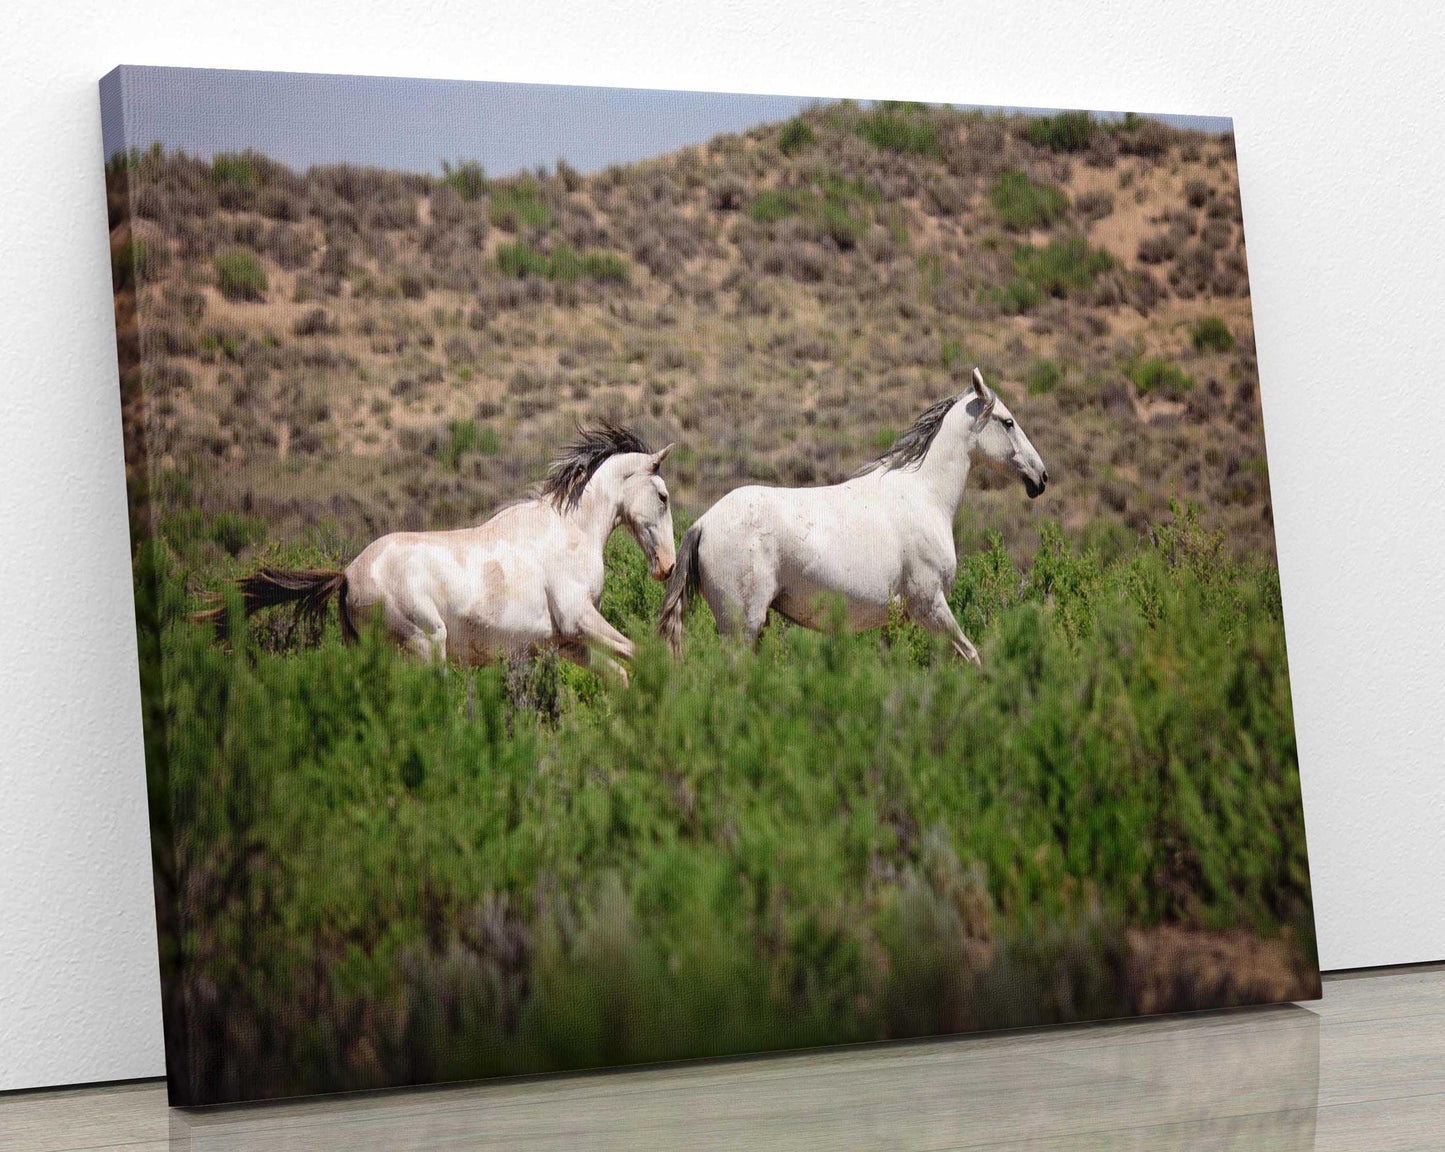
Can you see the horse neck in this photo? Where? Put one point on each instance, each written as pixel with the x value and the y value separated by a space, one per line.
pixel 598 511
pixel 944 470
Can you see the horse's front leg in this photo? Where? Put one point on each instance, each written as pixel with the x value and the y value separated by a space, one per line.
pixel 583 623
pixel 937 616
pixel 584 657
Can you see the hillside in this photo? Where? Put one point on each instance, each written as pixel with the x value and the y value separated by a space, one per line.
pixel 346 351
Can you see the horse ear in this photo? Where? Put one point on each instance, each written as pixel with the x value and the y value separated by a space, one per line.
pixel 981 388
pixel 659 457
pixel 989 398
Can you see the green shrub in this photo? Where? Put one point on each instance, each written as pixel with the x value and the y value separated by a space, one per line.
pixel 795 135
pixel 1013 298
pixel 197 535
pixel 230 168
pixel 1044 377
pixel 1023 204
pixel 392 873
pixel 467 436
pixel 1212 334
pixel 840 224
pixel 838 207
pixel 132 262
pixel 468 178
pixel 563 263
pixel 1064 132
pixel 1061 266
pixel 897 131
pixel 521 259
pixel 774 204
pixel 1158 375
pixel 605 266
pixel 518 205
pixel 240 276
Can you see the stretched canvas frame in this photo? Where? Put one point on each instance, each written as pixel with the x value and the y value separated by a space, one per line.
pixel 998 733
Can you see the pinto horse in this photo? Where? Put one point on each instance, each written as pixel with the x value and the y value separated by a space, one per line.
pixel 529 577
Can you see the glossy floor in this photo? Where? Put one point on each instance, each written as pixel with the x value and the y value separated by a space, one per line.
pixel 1363 1068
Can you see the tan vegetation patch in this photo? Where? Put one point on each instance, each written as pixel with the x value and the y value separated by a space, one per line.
pixel 783 345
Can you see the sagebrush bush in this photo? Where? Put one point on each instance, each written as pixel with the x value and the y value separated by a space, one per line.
pixel 467 178
pixel 1043 377
pixel 1023 204
pixel 230 168
pixel 1063 132
pixel 563 264
pixel 1062 266
pixel 795 135
pixel 467 436
pixel 1212 334
pixel 1156 374
pixel 518 205
pixel 774 204
pixel 239 275
pixel 899 131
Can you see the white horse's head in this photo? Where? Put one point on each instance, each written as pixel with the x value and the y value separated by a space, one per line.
pixel 998 439
pixel 647 511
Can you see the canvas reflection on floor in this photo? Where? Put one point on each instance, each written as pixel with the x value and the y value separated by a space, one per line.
pixel 625 576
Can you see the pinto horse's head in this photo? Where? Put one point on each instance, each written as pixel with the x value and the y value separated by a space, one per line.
pixel 999 440
pixel 647 512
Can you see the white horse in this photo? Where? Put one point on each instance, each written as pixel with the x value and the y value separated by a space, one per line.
pixel 530 576
pixel 884 535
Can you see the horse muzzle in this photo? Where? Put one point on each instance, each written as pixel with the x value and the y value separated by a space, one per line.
pixel 1035 488
pixel 662 571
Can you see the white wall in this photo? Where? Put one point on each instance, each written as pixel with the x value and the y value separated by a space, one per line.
pixel 1340 126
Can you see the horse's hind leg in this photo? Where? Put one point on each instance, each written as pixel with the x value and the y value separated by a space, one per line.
pixel 937 616
pixel 739 600
pixel 737 616
pixel 422 632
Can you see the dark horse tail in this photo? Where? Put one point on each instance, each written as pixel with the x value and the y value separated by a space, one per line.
pixel 310 589
pixel 681 588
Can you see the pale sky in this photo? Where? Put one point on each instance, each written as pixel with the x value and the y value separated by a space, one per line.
pixel 303 118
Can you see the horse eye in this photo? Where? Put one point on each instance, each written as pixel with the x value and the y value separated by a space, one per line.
pixel 1009 424
pixel 664 498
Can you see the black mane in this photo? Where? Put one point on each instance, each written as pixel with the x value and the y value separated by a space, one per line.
pixel 909 449
pixel 570 472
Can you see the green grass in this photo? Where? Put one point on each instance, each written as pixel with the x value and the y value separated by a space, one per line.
pixel 240 276
pixel 467 436
pixel 1212 334
pixel 518 205
pixel 1158 375
pixel 1044 377
pixel 1064 132
pixel 563 263
pixel 838 207
pixel 795 135
pixel 895 130
pixel 774 204
pixel 468 178
pixel 230 168
pixel 393 873
pixel 1023 204
pixel 1062 266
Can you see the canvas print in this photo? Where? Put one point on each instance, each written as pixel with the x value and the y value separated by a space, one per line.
pixel 628 576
